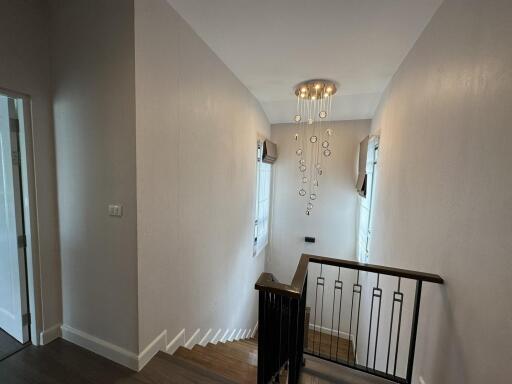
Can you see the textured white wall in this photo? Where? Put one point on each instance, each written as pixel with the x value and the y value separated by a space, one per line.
pixel 443 195
pixel 197 128
pixel 25 68
pixel 94 109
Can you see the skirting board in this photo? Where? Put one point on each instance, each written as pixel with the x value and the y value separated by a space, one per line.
pixel 255 329
pixel 224 337
pixel 159 344
pixel 216 337
pixel 193 340
pixel 101 347
pixel 206 338
pixel 178 341
pixel 50 334
pixel 343 335
pixel 130 359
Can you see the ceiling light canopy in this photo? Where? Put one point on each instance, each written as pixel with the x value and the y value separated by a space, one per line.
pixel 315 89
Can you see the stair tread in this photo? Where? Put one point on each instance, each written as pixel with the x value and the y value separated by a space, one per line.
pixel 242 346
pixel 227 367
pixel 164 368
pixel 235 353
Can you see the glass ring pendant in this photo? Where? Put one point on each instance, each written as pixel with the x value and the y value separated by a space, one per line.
pixel 313 137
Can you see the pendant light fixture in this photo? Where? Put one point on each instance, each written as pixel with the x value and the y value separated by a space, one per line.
pixel 313 135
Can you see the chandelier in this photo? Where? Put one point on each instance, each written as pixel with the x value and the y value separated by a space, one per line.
pixel 314 102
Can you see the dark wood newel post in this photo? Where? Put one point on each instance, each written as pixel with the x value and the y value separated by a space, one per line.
pixel 293 372
pixel 261 338
pixel 302 326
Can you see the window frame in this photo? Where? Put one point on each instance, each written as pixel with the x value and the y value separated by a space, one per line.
pixel 365 234
pixel 258 245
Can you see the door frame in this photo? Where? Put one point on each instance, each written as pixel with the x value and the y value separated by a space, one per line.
pixel 29 192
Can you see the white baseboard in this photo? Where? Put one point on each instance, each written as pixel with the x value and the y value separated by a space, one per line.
pixel 101 347
pixel 224 337
pixel 343 335
pixel 50 334
pixel 158 344
pixel 255 329
pixel 193 340
pixel 215 339
pixel 232 335
pixel 206 338
pixel 131 360
pixel 178 341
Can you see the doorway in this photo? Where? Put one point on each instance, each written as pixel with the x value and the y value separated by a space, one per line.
pixel 14 314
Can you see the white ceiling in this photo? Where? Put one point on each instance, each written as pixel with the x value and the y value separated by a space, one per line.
pixel 271 45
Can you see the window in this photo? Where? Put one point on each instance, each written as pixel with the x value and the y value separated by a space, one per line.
pixel 367 203
pixel 261 223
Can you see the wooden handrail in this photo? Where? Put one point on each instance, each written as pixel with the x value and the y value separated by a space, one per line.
pixel 404 273
pixel 268 282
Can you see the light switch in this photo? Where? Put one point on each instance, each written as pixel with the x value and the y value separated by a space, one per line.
pixel 115 210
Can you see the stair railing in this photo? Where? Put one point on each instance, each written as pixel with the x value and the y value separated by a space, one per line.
pixel 282 331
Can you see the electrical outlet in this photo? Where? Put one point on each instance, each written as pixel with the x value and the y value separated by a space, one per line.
pixel 115 210
pixel 422 380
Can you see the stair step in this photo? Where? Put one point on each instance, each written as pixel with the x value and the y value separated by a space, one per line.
pixel 250 342
pixel 227 367
pixel 235 353
pixel 164 368
pixel 242 346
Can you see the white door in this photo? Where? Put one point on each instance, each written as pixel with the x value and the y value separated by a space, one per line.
pixel 13 290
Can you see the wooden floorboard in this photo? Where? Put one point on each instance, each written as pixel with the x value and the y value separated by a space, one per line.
pixel 8 345
pixel 61 362
pixel 329 346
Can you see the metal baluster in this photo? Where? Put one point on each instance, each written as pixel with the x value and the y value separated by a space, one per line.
pixel 314 320
pixel 281 326
pixel 414 331
pixel 397 298
pixel 320 281
pixel 337 286
pixel 339 311
pixel 376 293
pixel 321 311
pixel 358 313
pixel 391 327
pixel 355 289
pixel 398 332
pixel 332 321
pixel 369 332
pixel 378 324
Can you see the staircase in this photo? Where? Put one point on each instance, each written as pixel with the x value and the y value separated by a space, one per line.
pixel 288 350
pixel 229 363
pixel 236 362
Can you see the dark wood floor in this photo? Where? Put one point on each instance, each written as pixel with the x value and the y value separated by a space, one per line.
pixel 8 344
pixel 63 362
